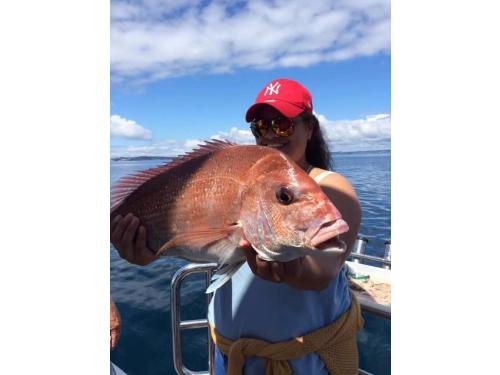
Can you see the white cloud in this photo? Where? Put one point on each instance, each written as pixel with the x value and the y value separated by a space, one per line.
pixel 171 147
pixel 240 136
pixel 123 128
pixel 154 39
pixel 168 147
pixel 370 133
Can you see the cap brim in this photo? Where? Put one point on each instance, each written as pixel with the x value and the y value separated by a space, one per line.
pixel 285 108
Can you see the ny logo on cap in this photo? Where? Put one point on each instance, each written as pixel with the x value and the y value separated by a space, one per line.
pixel 272 89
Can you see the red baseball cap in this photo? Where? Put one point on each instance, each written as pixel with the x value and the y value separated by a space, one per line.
pixel 285 95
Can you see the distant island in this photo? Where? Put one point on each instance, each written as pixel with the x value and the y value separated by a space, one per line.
pixel 363 152
pixel 141 158
pixel 168 158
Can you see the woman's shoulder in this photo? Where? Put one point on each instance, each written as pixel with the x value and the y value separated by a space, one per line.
pixel 326 178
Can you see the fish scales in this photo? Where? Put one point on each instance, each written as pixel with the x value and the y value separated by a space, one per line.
pixel 194 194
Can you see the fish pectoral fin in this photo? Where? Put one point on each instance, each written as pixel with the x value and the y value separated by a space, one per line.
pixel 223 276
pixel 222 271
pixel 197 239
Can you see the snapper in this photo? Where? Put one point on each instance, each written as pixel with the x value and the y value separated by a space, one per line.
pixel 201 205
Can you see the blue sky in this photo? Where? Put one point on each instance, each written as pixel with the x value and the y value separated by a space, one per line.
pixel 185 71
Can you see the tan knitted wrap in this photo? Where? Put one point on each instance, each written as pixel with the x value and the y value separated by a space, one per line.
pixel 335 344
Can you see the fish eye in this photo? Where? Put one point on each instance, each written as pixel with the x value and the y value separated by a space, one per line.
pixel 284 195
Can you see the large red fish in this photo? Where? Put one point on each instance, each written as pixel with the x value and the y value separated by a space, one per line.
pixel 199 206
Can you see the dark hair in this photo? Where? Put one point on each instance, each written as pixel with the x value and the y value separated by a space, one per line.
pixel 317 151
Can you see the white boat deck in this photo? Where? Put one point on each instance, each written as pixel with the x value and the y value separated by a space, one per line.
pixel 374 293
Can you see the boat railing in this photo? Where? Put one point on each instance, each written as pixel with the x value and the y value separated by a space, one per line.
pixel 194 268
pixel 358 252
pixel 178 324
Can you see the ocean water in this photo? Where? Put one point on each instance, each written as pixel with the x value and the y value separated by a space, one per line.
pixel 142 294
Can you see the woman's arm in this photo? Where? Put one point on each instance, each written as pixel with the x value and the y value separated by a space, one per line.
pixel 319 271
pixel 343 196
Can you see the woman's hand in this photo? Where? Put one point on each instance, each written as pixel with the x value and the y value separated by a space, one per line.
pixel 278 272
pixel 115 323
pixel 308 272
pixel 129 239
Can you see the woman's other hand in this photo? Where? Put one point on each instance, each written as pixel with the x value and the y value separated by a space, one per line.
pixel 278 272
pixel 307 273
pixel 129 239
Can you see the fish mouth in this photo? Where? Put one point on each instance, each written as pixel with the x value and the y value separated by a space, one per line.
pixel 322 240
pixel 327 235
pixel 334 245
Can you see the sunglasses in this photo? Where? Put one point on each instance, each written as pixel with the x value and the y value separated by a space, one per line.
pixel 281 126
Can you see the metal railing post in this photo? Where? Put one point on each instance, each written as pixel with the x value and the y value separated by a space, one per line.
pixel 387 254
pixel 359 247
pixel 178 324
pixel 211 348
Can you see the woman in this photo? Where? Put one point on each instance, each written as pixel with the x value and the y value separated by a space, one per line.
pixel 285 300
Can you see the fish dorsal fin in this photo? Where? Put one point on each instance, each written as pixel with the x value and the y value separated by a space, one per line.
pixel 128 184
